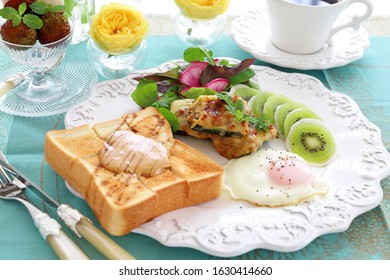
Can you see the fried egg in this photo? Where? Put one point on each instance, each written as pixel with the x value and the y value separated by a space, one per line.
pixel 271 177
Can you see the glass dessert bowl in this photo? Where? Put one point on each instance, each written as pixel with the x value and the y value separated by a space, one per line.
pixel 40 84
pixel 44 83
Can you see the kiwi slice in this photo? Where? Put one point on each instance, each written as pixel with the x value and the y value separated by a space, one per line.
pixel 243 91
pixel 256 103
pixel 312 140
pixel 295 116
pixel 281 113
pixel 272 103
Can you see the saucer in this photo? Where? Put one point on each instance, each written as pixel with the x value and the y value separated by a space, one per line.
pixel 79 77
pixel 251 32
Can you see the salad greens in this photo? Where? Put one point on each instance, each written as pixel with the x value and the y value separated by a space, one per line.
pixel 198 54
pixel 203 75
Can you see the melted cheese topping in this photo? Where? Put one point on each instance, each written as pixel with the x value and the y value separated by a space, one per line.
pixel 129 152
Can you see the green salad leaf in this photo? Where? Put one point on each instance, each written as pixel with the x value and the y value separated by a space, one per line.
pixel 170 117
pixel 166 100
pixel 146 93
pixel 195 92
pixel 242 77
pixel 198 54
pixel 241 70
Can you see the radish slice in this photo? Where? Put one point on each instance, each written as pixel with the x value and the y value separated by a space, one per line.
pixel 191 75
pixel 200 63
pixel 218 84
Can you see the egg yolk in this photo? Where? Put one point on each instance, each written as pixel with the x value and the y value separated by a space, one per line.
pixel 289 171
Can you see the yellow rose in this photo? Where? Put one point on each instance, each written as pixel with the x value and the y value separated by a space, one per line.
pixel 117 28
pixel 202 9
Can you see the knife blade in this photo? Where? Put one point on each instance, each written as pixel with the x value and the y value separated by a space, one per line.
pixel 76 221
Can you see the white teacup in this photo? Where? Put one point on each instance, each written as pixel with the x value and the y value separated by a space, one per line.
pixel 306 28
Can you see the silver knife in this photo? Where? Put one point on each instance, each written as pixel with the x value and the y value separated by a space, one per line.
pixel 77 222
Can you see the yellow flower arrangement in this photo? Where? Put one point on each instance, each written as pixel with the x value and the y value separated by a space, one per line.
pixel 202 9
pixel 118 28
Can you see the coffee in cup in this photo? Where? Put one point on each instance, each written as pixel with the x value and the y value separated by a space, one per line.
pixel 305 26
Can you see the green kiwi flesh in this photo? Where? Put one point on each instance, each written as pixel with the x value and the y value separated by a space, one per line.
pixel 272 103
pixel 281 113
pixel 246 92
pixel 258 103
pixel 312 140
pixel 297 115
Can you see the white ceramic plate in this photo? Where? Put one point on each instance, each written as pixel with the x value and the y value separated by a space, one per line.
pixel 251 33
pixel 225 227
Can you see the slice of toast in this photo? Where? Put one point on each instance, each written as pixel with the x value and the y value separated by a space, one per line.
pixel 123 201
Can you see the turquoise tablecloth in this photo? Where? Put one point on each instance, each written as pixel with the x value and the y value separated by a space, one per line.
pixel 366 81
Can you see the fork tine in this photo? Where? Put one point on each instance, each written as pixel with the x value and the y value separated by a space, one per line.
pixel 8 189
pixel 5 175
pixel 2 157
pixel 1 181
pixel 15 174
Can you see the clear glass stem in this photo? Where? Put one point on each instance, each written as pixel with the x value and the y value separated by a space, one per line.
pixel 41 87
pixel 38 79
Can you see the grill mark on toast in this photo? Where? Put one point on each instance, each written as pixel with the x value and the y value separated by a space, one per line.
pixel 170 185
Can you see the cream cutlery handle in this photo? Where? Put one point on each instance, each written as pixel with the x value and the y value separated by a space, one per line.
pixel 101 242
pixel 10 83
pixel 65 248
pixel 52 232
pixel 6 87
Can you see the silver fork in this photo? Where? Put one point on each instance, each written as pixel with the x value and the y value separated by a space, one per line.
pixel 72 218
pixel 49 228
